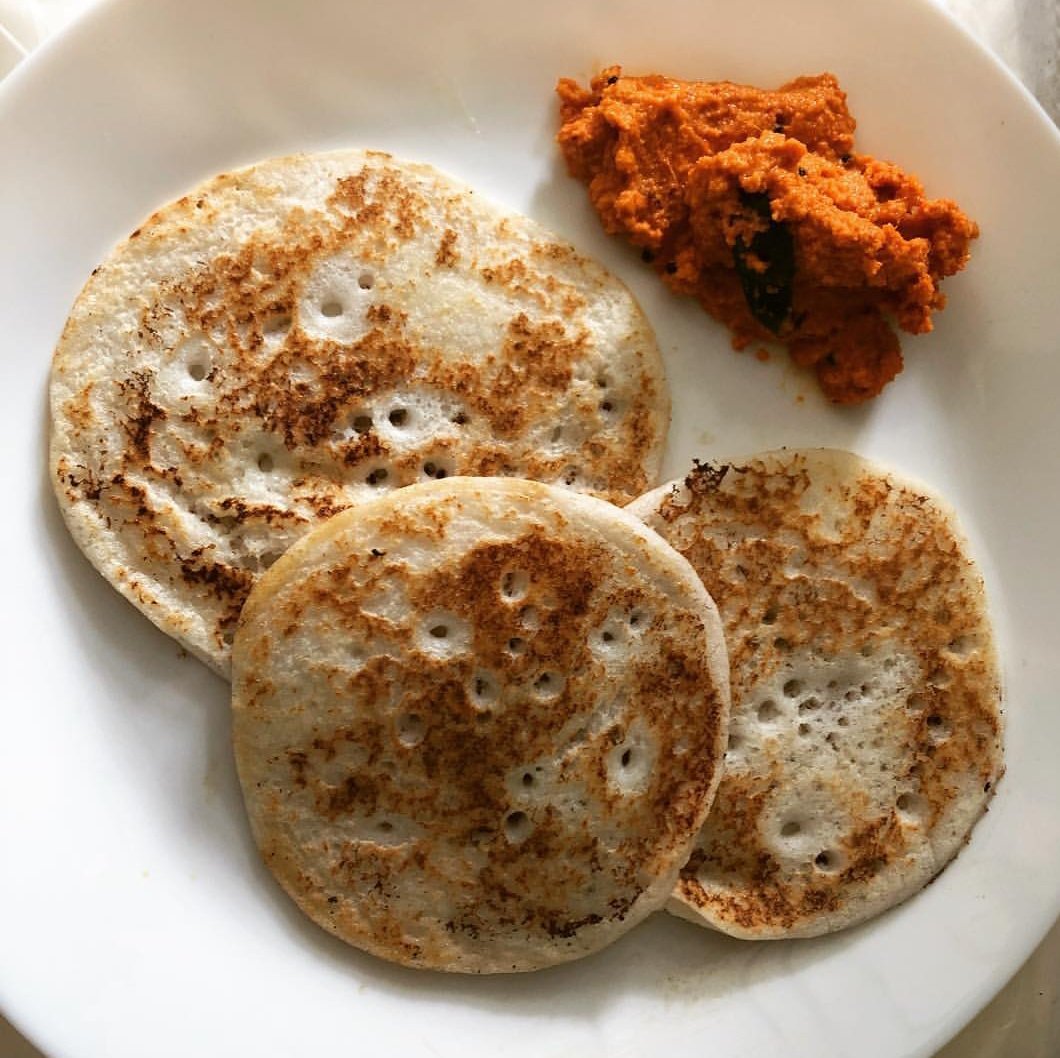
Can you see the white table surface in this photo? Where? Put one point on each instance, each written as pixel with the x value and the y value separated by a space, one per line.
pixel 1023 1021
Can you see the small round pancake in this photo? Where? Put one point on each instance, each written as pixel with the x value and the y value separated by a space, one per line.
pixel 290 339
pixel 866 726
pixel 478 723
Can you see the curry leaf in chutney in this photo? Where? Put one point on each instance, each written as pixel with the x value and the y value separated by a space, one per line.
pixel 766 265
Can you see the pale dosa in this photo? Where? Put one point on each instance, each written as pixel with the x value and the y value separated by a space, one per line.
pixel 866 724
pixel 298 336
pixel 479 722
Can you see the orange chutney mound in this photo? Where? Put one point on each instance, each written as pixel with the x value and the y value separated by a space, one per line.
pixel 717 182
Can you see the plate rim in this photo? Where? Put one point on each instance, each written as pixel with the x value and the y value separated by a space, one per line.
pixel 105 10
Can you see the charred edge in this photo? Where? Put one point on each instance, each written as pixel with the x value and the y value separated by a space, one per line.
pixel 706 477
pixel 565 930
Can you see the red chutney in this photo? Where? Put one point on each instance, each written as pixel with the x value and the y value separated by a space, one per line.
pixel 755 203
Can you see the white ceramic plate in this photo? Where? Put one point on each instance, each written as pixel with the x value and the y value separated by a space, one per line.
pixel 134 916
